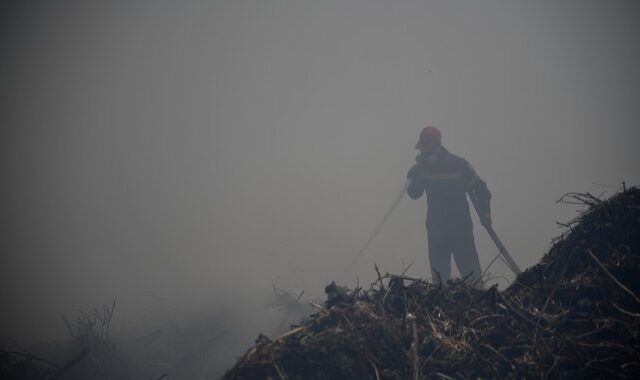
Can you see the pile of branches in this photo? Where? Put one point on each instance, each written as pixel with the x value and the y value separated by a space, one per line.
pixel 575 314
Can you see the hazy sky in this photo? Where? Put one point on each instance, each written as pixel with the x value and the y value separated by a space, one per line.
pixel 206 150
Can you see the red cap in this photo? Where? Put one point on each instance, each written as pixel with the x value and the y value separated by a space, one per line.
pixel 429 134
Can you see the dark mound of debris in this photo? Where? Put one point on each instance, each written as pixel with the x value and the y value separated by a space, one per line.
pixel 574 315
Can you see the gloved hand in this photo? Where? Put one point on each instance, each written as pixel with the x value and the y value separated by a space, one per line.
pixel 418 172
pixel 412 174
pixel 415 184
pixel 485 219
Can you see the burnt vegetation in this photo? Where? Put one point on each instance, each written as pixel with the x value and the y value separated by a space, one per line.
pixel 576 314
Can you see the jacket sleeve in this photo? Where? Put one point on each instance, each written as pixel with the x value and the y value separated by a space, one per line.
pixel 478 191
pixel 416 185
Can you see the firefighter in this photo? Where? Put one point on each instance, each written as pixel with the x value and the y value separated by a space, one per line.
pixel 446 179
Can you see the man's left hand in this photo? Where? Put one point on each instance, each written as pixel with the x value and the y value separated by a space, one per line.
pixel 485 220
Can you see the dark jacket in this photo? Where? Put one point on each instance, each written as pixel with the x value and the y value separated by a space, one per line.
pixel 446 179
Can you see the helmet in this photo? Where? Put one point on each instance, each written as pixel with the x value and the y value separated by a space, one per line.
pixel 427 135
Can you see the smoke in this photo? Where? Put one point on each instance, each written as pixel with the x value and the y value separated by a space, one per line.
pixel 205 151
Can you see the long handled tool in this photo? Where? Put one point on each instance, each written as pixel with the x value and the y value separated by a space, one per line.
pixel 509 260
pixel 503 251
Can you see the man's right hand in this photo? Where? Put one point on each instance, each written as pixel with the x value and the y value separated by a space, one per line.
pixel 412 174
pixel 415 187
pixel 419 172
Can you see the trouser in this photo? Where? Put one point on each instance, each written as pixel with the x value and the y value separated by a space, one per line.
pixel 460 243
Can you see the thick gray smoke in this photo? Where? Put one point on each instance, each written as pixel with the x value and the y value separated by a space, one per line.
pixel 202 151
